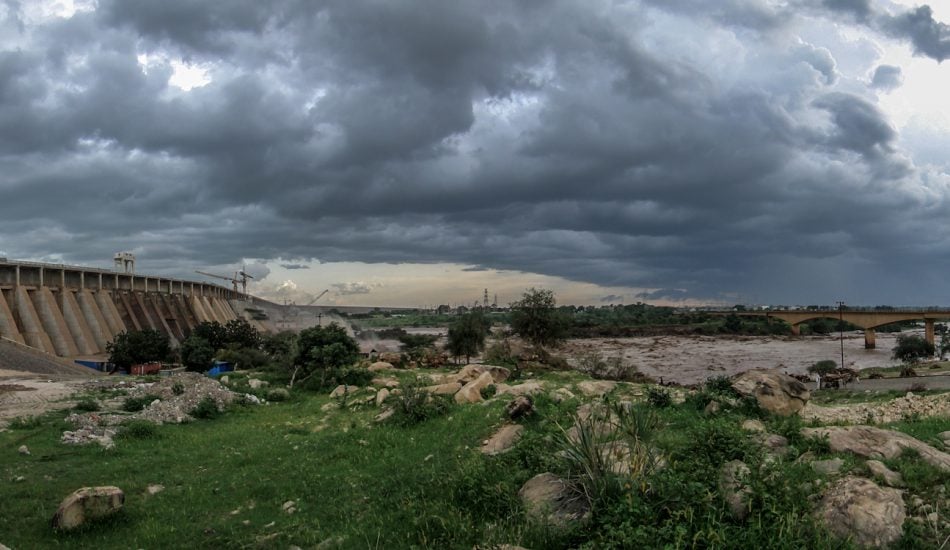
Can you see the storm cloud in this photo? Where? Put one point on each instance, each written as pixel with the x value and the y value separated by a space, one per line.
pixel 707 147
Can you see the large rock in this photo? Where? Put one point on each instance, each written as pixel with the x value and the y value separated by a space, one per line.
pixel 380 365
pixel 519 406
pixel 342 390
pixel 472 392
pixel 890 477
pixel 381 396
pixel 596 388
pixel 775 392
pixel 857 508
pixel 871 442
pixel 88 504
pixel 549 498
pixel 502 440
pixel 470 373
pixel 530 387
pixel 449 388
pixel 734 487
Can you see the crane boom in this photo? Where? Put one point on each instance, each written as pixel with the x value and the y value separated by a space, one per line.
pixel 215 276
pixel 318 297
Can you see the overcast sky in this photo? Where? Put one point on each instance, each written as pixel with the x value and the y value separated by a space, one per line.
pixel 415 152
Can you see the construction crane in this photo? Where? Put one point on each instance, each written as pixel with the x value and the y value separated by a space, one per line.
pixel 318 297
pixel 239 277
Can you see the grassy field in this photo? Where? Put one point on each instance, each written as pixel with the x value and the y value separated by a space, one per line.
pixel 359 484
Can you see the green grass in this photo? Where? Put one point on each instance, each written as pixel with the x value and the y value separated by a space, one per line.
pixel 373 485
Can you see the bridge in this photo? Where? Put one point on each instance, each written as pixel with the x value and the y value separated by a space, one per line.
pixel 72 311
pixel 868 319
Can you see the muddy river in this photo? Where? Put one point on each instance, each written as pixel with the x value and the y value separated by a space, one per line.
pixel 692 359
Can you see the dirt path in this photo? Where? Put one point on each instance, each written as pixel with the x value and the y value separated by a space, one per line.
pixel 24 394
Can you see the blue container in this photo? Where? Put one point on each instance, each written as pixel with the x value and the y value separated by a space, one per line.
pixel 220 367
pixel 100 366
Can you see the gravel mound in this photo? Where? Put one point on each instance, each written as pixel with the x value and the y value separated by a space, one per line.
pixel 176 396
pixel 879 413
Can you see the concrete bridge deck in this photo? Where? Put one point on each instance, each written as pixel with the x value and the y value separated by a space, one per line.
pixel 868 319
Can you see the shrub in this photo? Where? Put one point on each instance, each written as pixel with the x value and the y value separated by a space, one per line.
pixel 206 409
pixel 911 348
pixel 908 372
pixel 196 353
pixel 87 405
pixel 178 388
pixel 721 385
pixel 278 394
pixel 25 423
pixel 135 404
pixel 322 351
pixel 488 391
pixel 138 346
pixel 823 367
pixel 138 429
pixel 415 405
pixel 658 397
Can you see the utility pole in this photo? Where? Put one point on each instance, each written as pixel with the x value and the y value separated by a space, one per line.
pixel 841 329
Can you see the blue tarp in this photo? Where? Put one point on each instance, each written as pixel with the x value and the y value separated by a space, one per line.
pixel 220 367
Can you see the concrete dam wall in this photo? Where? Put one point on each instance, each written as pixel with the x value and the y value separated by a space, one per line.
pixel 72 311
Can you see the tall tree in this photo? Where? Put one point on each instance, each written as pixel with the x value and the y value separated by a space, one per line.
pixel 536 319
pixel 467 335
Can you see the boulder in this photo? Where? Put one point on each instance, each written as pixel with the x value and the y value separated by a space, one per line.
pixel 502 440
pixel 449 388
pixel 596 388
pixel 734 487
pixel 774 444
pixel 256 384
pixel 712 408
pixel 519 406
pixel 385 415
pixel 530 387
pixel 386 382
pixel 154 488
pixel 380 365
pixel 857 508
pixel 828 467
pixel 88 504
pixel 472 392
pixel 753 426
pixel 774 391
pixel 561 394
pixel 890 477
pixel 871 442
pixel 390 357
pixel 342 390
pixel 549 498
pixel 470 373
pixel 381 396
pixel 24 450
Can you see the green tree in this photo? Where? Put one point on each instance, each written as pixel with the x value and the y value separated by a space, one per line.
pixel 240 334
pixel 323 350
pixel 196 353
pixel 211 332
pixel 138 346
pixel 823 367
pixel 536 319
pixel 911 348
pixel 467 335
pixel 944 344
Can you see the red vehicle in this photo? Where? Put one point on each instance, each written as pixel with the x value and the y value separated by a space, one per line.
pixel 146 368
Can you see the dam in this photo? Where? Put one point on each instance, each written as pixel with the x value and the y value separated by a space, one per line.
pixel 73 311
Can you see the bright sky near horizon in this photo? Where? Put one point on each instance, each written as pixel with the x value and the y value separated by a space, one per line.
pixel 411 153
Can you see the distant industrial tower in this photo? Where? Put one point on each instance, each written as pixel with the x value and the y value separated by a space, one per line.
pixel 485 299
pixel 124 262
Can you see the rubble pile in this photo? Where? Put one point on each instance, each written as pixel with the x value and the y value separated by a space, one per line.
pixel 176 396
pixel 879 413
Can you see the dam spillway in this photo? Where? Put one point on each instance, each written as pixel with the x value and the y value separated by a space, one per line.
pixel 73 311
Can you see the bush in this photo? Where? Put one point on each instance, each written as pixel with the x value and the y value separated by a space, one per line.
pixel 178 388
pixel 488 391
pixel 658 397
pixel 323 351
pixel 138 346
pixel 278 394
pixel 135 404
pixel 911 348
pixel 138 429
pixel 87 405
pixel 196 353
pixel 25 423
pixel 415 405
pixel 721 385
pixel 206 409
pixel 823 367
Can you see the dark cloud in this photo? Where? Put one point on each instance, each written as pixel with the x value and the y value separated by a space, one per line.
pixel 675 145
pixel 887 77
pixel 353 287
pixel 295 266
pixel 612 299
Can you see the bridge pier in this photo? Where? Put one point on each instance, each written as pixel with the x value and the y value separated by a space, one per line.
pixel 869 338
pixel 929 331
